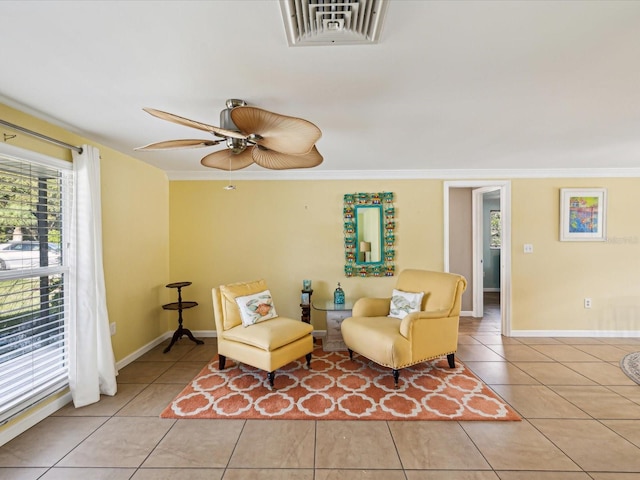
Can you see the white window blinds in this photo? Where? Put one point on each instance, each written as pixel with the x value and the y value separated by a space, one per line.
pixel 34 205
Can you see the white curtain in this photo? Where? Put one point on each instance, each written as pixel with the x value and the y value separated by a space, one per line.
pixel 92 368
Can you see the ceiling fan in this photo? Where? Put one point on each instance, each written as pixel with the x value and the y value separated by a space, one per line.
pixel 251 135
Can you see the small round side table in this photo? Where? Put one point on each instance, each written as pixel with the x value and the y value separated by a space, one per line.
pixel 179 306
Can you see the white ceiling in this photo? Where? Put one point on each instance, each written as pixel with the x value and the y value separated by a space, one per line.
pixel 471 85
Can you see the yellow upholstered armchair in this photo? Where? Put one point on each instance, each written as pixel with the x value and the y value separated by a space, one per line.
pixel 249 330
pixel 418 323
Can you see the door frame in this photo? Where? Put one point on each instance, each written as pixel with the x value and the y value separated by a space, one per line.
pixel 505 254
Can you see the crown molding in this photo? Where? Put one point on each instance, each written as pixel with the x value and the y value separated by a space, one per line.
pixel 435 174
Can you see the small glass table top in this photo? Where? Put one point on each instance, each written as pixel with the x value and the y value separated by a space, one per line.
pixel 329 306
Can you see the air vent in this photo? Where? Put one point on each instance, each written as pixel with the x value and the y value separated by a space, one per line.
pixel 332 22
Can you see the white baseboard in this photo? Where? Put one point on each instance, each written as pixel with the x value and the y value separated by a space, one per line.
pixel 142 350
pixel 32 419
pixel 203 333
pixel 577 333
pixel 466 313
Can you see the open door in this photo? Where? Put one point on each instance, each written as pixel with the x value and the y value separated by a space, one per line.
pixel 480 244
pixel 452 240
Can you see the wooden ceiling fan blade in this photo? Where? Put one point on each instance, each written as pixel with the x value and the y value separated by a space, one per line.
pixel 226 160
pixel 178 144
pixel 282 161
pixel 192 123
pixel 290 135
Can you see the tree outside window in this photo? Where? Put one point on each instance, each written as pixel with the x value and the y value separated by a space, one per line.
pixel 495 229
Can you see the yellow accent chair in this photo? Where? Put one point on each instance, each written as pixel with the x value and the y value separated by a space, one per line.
pixel 429 331
pixel 268 344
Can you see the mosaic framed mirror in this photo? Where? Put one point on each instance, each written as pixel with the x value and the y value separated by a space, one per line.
pixel 369 234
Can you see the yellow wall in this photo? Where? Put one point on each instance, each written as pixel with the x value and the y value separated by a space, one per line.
pixel 286 231
pixel 135 202
pixel 135 225
pixel 549 286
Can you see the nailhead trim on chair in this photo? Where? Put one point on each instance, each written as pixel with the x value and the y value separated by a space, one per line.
pixel 409 364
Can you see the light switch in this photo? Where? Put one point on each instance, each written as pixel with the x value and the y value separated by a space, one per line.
pixel 528 248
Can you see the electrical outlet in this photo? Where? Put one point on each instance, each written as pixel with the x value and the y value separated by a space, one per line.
pixel 528 248
pixel 587 303
pixel 112 328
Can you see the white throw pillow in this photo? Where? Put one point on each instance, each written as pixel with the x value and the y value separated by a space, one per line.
pixel 404 303
pixel 256 307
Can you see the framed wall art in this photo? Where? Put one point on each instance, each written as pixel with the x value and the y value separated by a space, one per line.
pixel 583 214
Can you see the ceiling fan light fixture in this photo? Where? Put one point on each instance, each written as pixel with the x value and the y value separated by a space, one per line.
pixel 236 145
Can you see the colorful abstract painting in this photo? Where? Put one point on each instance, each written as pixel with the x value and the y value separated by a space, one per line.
pixel 583 214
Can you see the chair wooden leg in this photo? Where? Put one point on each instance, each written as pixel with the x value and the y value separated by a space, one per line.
pixel 451 360
pixel 350 354
pixel 271 376
pixel 308 357
pixel 396 376
pixel 221 361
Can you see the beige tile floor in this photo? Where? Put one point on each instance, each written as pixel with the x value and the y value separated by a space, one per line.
pixel 581 420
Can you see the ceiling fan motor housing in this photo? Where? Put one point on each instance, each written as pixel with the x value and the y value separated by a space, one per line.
pixel 236 145
pixel 225 115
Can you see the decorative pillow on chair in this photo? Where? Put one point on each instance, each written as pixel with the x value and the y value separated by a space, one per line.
pixel 256 307
pixel 404 303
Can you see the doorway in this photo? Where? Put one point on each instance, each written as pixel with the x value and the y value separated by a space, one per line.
pixel 464 252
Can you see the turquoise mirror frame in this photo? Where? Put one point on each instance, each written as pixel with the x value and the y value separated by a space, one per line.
pixel 355 264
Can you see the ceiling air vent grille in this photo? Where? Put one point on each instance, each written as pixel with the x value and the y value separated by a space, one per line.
pixel 332 22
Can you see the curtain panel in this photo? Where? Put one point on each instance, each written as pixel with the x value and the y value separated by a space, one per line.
pixel 92 368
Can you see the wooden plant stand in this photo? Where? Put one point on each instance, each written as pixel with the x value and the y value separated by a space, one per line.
pixel 179 306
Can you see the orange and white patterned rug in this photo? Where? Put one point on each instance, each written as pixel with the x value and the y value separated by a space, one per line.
pixel 337 388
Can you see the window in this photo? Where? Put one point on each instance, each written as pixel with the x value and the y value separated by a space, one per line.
pixel 495 229
pixel 34 213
